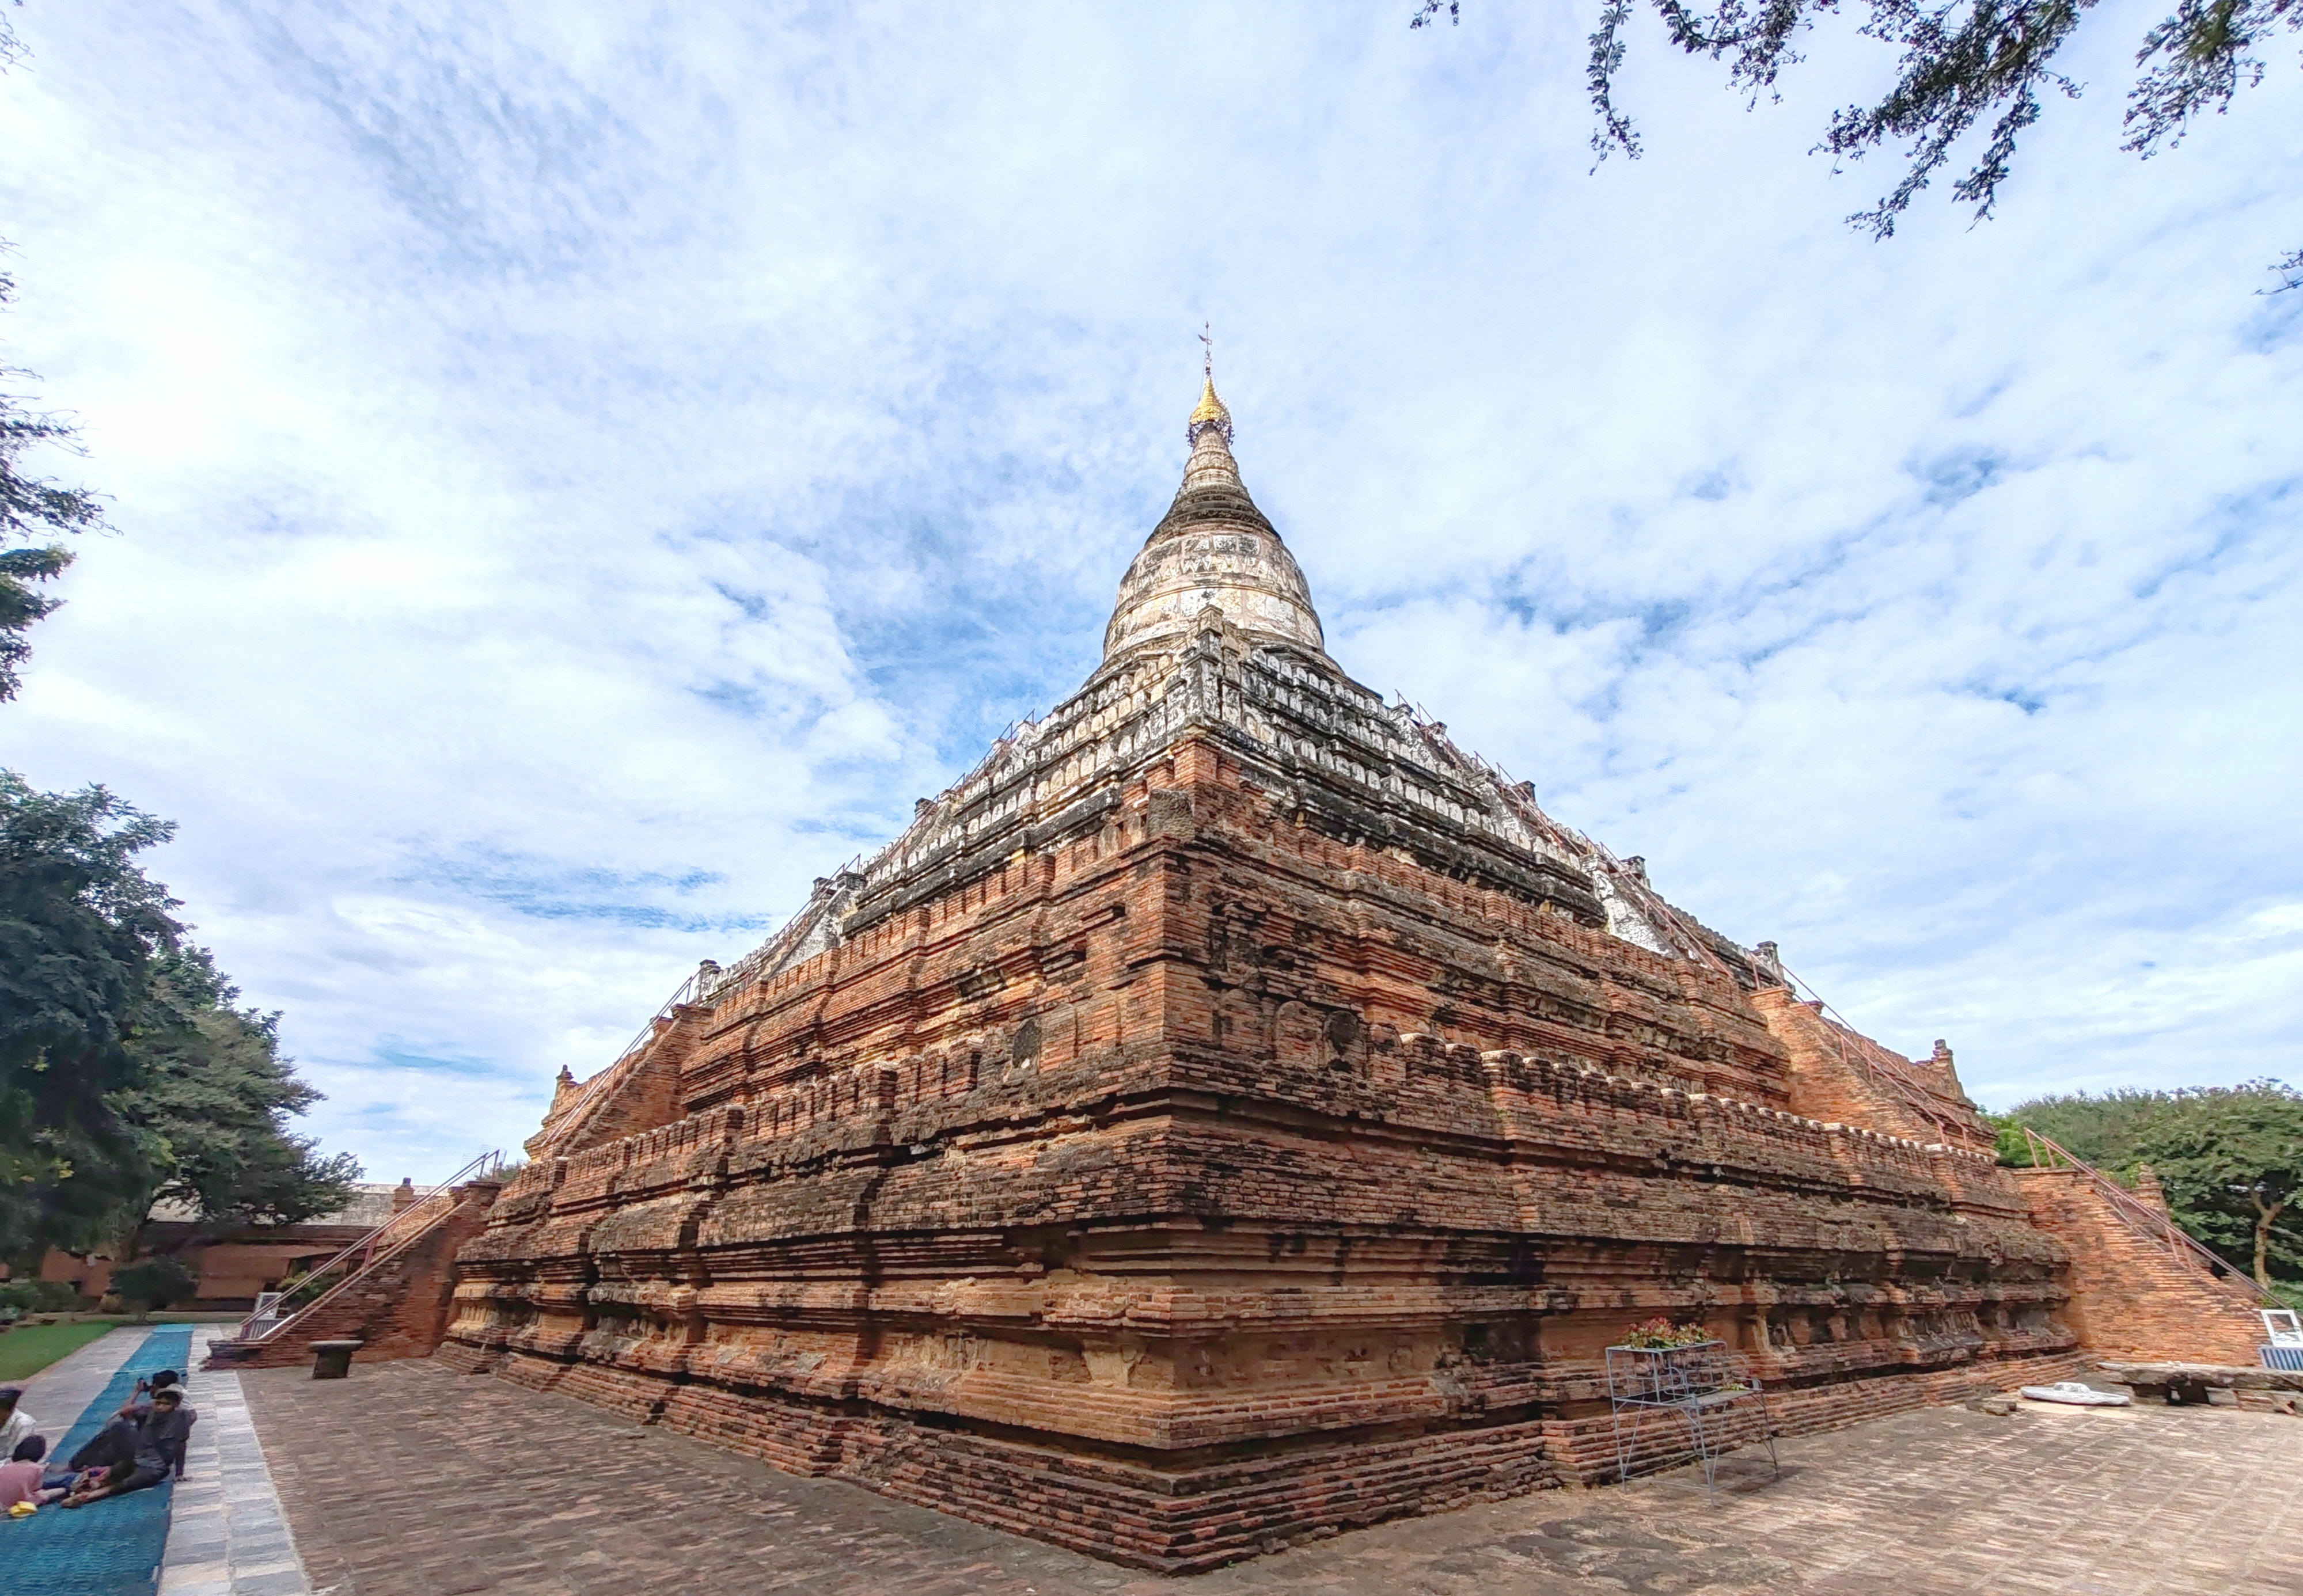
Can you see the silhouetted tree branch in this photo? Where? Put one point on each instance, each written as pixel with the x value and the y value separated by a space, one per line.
pixel 1964 65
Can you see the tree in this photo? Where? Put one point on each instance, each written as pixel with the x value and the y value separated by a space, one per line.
pixel 1964 63
pixel 2231 1159
pixel 127 1071
pixel 154 1282
pixel 80 928
pixel 2102 1130
pixel 32 507
pixel 212 1097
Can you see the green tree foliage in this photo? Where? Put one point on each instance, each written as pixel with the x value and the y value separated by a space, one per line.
pixel 2231 1159
pixel 154 1282
pixel 2102 1130
pixel 126 1071
pixel 80 928
pixel 211 1095
pixel 1965 65
pixel 33 508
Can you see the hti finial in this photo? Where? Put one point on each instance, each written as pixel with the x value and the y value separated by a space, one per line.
pixel 1210 412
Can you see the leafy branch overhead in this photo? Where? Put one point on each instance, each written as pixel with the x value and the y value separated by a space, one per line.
pixel 31 506
pixel 1973 64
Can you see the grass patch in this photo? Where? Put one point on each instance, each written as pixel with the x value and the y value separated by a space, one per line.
pixel 29 1348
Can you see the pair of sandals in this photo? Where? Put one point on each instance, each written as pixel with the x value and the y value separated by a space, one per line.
pixel 2076 1394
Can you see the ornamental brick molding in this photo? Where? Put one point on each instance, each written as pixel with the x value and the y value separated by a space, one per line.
pixel 1231 1114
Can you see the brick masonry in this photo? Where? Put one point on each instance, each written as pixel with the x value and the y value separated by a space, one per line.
pixel 1207 1179
pixel 1233 1113
pixel 2130 1297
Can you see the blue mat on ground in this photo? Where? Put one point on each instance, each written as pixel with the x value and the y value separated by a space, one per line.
pixel 110 1548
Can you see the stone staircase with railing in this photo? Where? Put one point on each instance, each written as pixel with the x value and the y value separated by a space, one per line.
pixel 391 1289
pixel 2141 1287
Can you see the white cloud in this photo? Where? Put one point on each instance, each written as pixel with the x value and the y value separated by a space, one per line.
pixel 583 472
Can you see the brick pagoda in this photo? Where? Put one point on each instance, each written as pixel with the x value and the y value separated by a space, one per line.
pixel 1233 1113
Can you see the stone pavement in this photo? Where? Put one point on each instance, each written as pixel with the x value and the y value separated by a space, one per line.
pixel 57 1393
pixel 409 1480
pixel 226 1536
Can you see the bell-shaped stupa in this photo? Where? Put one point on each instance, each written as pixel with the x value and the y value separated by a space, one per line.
pixel 1213 547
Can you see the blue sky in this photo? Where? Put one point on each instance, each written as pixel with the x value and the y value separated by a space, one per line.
pixel 581 471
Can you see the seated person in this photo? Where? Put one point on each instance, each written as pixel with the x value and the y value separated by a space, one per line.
pixel 116 1443
pixel 19 1476
pixel 168 1429
pixel 139 1405
pixel 159 1448
pixel 15 1424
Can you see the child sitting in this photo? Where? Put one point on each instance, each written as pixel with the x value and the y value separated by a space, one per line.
pixel 19 1476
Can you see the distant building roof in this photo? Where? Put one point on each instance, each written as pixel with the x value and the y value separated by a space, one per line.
pixel 370 1207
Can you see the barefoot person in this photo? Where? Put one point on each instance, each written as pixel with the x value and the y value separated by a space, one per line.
pixel 159 1450
pixel 116 1443
pixel 168 1429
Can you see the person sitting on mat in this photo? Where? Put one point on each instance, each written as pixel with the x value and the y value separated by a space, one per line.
pixel 139 1401
pixel 168 1429
pixel 16 1425
pixel 116 1443
pixel 19 1476
pixel 159 1448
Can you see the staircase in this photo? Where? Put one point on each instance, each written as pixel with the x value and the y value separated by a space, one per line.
pixel 2140 1289
pixel 1891 1073
pixel 389 1289
pixel 2151 1225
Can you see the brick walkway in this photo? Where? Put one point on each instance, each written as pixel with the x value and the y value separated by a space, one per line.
pixel 408 1480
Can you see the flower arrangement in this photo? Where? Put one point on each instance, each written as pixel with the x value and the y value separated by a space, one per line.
pixel 1660 1334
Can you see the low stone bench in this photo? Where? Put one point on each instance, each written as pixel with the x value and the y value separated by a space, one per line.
pixel 333 1360
pixel 2202 1385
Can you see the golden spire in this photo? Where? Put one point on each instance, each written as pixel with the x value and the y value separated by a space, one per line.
pixel 1211 411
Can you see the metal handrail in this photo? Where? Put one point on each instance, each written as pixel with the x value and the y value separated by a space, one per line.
pixel 1915 1097
pixel 592 1088
pixel 1655 904
pixel 2143 1217
pixel 368 1245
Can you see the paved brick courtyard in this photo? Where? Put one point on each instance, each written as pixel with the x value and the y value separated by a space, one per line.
pixel 409 1480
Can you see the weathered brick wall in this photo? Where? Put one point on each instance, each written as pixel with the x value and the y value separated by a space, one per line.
pixel 232 1268
pixel 1200 1174
pixel 2130 1297
pixel 641 1091
pixel 400 1309
pixel 1836 1077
